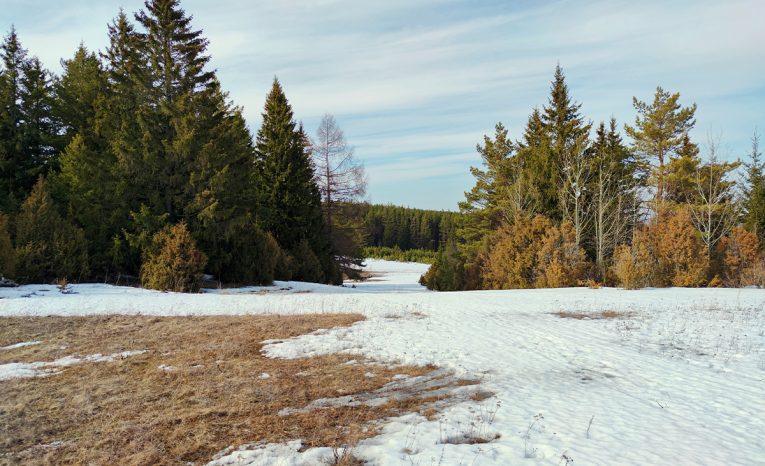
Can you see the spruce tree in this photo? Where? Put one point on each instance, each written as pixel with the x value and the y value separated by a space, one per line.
pixel 754 192
pixel 569 141
pixel 290 202
pixel 15 167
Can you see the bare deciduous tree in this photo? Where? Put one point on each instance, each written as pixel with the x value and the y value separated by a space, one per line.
pixel 714 211
pixel 341 180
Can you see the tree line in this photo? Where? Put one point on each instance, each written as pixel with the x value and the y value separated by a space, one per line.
pixel 571 203
pixel 135 163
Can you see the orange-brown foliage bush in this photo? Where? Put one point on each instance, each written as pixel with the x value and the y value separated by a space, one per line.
pixel 743 259
pixel 666 252
pixel 173 263
pixel 534 253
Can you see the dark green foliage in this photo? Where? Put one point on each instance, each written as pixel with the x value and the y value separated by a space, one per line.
pixel 47 246
pixel 407 228
pixel 446 273
pixel 28 130
pixel 424 256
pixel 288 197
pixel 7 254
pixel 306 267
pixel 754 192
pixel 173 262
pixel 489 203
pixel 246 255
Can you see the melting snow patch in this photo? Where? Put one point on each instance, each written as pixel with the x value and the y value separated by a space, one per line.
pixel 166 368
pixel 20 345
pixel 264 376
pixel 23 370
pixel 273 453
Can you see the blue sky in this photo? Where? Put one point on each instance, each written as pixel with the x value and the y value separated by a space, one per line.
pixel 416 83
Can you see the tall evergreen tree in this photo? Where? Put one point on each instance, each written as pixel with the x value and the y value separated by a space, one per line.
pixel 659 131
pixel 754 191
pixel 287 192
pixel 539 176
pixel 569 140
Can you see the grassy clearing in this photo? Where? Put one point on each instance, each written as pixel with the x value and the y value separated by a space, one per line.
pixel 216 394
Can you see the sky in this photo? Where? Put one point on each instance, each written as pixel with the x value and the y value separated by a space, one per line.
pixel 415 84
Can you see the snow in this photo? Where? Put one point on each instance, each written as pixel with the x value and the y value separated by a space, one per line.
pixel 20 345
pixel 23 370
pixel 677 378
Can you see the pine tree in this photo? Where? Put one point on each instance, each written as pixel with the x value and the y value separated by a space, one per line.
pixel 486 205
pixel 88 166
pixel 287 192
pixel 659 131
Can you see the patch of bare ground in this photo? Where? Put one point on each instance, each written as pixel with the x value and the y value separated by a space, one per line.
pixel 202 386
pixel 578 315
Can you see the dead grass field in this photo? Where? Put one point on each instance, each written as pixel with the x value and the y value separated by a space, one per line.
pixel 132 412
pixel 592 315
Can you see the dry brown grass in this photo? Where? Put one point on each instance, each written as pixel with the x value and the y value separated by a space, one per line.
pixel 130 412
pixel 592 315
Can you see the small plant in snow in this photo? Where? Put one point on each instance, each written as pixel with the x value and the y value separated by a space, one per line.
pixel 569 460
pixel 63 286
pixel 528 451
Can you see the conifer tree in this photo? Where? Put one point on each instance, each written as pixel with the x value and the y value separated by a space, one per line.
pixel 79 93
pixel 486 205
pixel 539 177
pixel 754 191
pixel 47 246
pixel 659 131
pixel 569 140
pixel 7 254
pixel 287 192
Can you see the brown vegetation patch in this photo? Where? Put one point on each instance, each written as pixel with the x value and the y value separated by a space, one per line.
pixel 214 395
pixel 592 315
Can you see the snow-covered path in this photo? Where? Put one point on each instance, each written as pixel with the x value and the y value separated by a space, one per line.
pixel 679 379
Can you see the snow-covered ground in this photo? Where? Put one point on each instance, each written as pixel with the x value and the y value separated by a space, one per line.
pixel 678 379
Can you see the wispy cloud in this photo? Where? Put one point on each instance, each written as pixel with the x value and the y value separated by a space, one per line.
pixel 415 84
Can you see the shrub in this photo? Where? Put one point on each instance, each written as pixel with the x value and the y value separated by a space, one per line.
pixel 173 262
pixel 534 253
pixel 251 255
pixel 666 252
pixel 560 262
pixel 681 251
pixel 306 266
pixel 743 260
pixel 447 271
pixel 47 246
pixel 634 266
pixel 7 255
